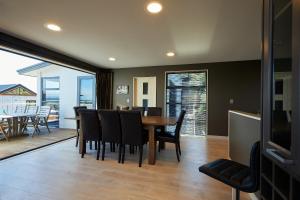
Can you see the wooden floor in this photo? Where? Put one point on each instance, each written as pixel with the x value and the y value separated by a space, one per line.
pixel 58 172
pixel 24 143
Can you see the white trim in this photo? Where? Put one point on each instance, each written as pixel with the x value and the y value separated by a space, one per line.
pixel 244 114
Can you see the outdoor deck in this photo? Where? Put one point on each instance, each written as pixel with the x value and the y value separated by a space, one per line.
pixel 20 144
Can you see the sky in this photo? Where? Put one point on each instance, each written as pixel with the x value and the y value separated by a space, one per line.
pixel 10 63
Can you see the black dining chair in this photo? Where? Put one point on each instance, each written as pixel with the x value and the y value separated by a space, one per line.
pixel 76 108
pixel 133 132
pixel 236 175
pixel 172 137
pixel 90 128
pixel 141 109
pixel 154 111
pixel 111 129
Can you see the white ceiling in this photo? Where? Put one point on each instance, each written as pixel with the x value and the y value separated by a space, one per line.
pixel 198 31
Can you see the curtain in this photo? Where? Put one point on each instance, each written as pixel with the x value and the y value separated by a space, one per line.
pixel 104 89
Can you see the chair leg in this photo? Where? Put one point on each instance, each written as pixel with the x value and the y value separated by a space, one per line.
pixel 179 148
pixel 77 138
pixel 95 145
pixel 114 147
pixel 83 150
pixel 141 155
pixel 123 153
pixel 159 146
pixel 91 145
pixel 103 150
pixel 120 153
pixel 98 149
pixel 177 152
pixel 46 123
pixel 237 194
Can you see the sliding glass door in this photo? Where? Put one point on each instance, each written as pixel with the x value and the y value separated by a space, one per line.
pixel 187 90
pixel 86 91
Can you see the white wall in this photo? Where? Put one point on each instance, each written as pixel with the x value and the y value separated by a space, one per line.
pixel 68 79
pixel 9 103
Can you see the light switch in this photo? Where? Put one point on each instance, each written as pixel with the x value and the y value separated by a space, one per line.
pixel 127 100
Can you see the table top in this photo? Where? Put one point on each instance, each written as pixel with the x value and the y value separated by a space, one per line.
pixel 16 115
pixel 158 121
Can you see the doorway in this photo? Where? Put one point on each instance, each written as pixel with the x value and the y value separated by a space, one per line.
pixel 144 91
pixel 187 90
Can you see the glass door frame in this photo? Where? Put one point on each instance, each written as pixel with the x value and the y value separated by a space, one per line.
pixel 79 78
pixel 188 71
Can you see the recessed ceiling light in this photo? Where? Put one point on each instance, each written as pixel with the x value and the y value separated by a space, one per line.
pixel 170 54
pixel 154 7
pixel 112 59
pixel 53 27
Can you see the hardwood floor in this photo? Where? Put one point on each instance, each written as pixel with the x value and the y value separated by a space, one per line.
pixel 20 144
pixel 58 172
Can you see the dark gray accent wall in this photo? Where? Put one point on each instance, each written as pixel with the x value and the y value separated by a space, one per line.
pixel 239 80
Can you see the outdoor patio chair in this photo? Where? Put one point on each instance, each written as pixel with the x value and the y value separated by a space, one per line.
pixel 30 111
pixel 41 118
pixel 3 130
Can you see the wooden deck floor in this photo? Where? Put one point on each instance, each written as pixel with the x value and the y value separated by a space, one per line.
pixel 57 172
pixel 24 143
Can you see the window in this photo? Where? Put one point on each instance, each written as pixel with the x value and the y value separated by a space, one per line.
pixel 188 91
pixel 50 97
pixel 86 91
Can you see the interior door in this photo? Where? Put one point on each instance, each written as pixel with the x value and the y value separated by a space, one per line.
pixel 144 90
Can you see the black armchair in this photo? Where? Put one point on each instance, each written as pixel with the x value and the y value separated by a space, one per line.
pixel 76 108
pixel 111 129
pixel 90 128
pixel 236 175
pixel 172 137
pixel 132 132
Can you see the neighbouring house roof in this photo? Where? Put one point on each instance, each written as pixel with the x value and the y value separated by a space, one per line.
pixel 31 68
pixel 16 90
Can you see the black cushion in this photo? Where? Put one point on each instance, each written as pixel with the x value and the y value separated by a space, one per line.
pixel 235 174
pixel 229 172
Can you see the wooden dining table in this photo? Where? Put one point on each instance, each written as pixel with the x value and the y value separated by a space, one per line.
pixel 149 123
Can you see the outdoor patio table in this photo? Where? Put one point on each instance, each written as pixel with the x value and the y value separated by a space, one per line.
pixel 15 123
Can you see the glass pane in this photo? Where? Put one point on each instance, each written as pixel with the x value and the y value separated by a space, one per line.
pixel 86 92
pixel 51 83
pixel 188 91
pixel 282 76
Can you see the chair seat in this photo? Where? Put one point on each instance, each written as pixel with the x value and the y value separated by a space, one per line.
pixel 231 173
pixel 166 137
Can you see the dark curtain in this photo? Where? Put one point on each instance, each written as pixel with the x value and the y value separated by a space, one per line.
pixel 104 89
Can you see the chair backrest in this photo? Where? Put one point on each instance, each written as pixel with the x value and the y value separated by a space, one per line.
pixel 44 111
pixel 141 109
pixel 110 125
pixel 31 109
pixel 20 109
pixel 132 128
pixel 90 124
pixel 154 111
pixel 255 165
pixel 179 123
pixel 76 108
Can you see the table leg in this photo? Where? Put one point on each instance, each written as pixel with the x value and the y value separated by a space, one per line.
pixel 152 146
pixel 15 126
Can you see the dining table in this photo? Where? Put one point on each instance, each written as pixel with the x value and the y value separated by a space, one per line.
pixel 149 123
